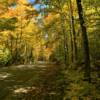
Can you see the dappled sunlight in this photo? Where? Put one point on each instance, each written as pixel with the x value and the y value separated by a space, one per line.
pixel 23 90
pixel 42 66
pixel 38 64
pixel 4 75
pixel 24 66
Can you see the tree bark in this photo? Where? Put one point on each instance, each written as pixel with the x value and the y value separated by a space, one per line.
pixel 73 33
pixel 85 42
pixel 65 40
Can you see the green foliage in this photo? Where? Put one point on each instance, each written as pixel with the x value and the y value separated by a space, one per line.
pixel 7 23
pixel 4 56
pixel 78 88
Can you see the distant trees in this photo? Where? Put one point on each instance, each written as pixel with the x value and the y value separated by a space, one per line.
pixel 75 30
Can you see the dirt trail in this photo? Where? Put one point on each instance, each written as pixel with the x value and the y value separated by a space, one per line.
pixel 32 82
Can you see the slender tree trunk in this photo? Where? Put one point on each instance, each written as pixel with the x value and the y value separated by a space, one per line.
pixel 16 50
pixel 11 44
pixel 73 32
pixel 65 40
pixel 71 43
pixel 85 42
pixel 21 32
pixel 64 34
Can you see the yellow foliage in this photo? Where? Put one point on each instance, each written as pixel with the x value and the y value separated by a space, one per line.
pixel 22 1
pixel 50 18
pixel 90 11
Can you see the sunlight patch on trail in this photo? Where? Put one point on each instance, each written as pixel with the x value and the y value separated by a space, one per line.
pixel 23 90
pixel 4 75
pixel 24 67
pixel 29 66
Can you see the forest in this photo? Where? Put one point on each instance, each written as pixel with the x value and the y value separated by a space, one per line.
pixel 49 49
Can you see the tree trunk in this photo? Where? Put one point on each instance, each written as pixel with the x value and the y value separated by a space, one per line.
pixel 73 33
pixel 71 43
pixel 85 42
pixel 65 40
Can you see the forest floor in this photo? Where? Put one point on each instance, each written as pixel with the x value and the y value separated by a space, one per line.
pixel 47 81
pixel 32 82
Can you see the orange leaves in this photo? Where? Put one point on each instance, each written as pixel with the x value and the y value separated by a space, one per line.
pixel 50 18
pixel 10 13
pixel 19 10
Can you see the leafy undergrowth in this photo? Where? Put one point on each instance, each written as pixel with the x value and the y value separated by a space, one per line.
pixel 78 88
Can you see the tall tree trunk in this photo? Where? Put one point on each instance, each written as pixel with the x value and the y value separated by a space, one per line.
pixel 73 33
pixel 65 39
pixel 21 32
pixel 85 42
pixel 64 34
pixel 71 43
pixel 11 44
pixel 16 50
